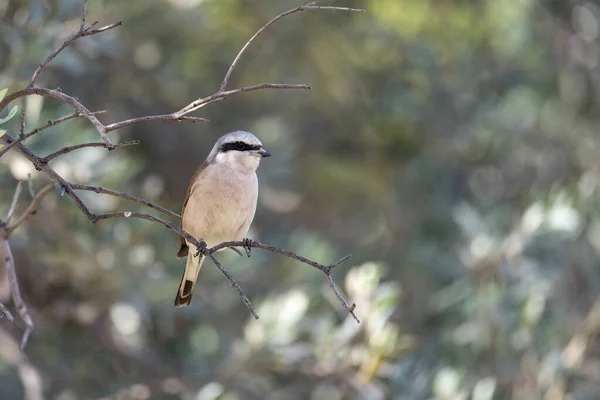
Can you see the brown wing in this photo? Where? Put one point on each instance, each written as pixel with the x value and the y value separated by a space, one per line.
pixel 183 249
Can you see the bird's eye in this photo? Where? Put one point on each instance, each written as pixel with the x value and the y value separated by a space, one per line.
pixel 240 146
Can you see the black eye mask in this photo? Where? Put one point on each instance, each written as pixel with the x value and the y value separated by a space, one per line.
pixel 238 146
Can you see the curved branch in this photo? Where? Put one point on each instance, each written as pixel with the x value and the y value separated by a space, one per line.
pixel 309 6
pixel 195 105
pixel 154 118
pixel 51 123
pixel 69 149
pixel 65 98
pixel 99 189
pixel 326 269
pixel 83 31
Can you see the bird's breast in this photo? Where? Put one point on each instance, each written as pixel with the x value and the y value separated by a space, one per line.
pixel 221 207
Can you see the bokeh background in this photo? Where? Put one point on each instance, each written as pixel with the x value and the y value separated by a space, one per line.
pixel 451 146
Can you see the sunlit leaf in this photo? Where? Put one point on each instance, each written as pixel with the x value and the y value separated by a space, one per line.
pixel 11 114
pixel 3 93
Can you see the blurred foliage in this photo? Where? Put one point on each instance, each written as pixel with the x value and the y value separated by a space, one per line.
pixel 450 146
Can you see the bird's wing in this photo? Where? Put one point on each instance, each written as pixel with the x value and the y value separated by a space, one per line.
pixel 183 249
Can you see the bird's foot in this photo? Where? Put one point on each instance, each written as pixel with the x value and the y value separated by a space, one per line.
pixel 247 246
pixel 201 249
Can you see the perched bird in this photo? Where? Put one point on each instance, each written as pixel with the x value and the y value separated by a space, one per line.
pixel 220 202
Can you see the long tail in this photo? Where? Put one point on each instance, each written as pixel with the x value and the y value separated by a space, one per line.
pixel 188 280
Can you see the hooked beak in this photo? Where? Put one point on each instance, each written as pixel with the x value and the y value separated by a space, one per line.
pixel 264 152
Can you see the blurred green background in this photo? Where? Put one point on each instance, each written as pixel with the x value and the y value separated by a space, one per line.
pixel 451 146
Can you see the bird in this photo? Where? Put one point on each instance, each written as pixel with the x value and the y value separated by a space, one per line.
pixel 220 201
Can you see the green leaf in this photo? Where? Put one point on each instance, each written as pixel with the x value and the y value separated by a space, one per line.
pixel 11 114
pixel 2 132
pixel 3 93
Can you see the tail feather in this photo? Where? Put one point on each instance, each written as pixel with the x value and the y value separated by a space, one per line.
pixel 188 279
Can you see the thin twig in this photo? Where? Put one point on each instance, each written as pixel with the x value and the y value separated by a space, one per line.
pixel 326 269
pixel 13 204
pixel 30 186
pixel 99 189
pixel 49 124
pixel 83 31
pixel 148 217
pixel 233 283
pixel 195 105
pixel 65 98
pixel 16 292
pixel 83 15
pixel 6 312
pixel 22 120
pixel 69 149
pixel 27 135
pixel 154 118
pixel 31 209
pixel 309 6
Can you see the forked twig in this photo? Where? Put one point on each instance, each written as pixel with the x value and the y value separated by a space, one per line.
pixel 31 209
pixel 309 6
pixel 23 137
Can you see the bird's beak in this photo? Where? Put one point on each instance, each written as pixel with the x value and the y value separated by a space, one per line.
pixel 263 152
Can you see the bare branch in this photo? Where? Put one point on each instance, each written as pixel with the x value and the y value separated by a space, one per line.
pixel 15 291
pixel 13 204
pixel 222 95
pixel 309 6
pixel 148 217
pixel 33 206
pixel 6 312
pixel 76 114
pixel 69 149
pixel 326 269
pixel 83 15
pixel 37 162
pixel 27 135
pixel 154 118
pixel 58 95
pixel 23 136
pixel 126 196
pixel 105 28
pixel 233 283
pixel 83 31
pixel 22 120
